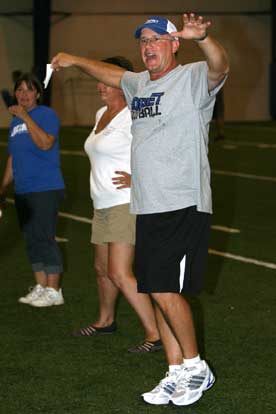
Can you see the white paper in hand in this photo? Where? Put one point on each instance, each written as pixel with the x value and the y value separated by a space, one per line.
pixel 49 71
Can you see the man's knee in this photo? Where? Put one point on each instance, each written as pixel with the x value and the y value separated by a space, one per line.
pixel 163 297
pixel 167 300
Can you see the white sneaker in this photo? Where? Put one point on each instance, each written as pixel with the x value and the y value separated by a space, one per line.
pixel 34 293
pixel 191 383
pixel 162 392
pixel 49 297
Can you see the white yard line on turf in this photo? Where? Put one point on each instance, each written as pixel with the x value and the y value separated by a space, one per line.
pixel 61 239
pixel 243 259
pixel 261 145
pixel 211 251
pixel 243 175
pixel 225 229
pixel 74 217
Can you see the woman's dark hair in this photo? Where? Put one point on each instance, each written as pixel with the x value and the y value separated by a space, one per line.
pixel 120 61
pixel 32 82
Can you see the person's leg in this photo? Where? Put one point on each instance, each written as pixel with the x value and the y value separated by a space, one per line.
pixel 53 281
pixel 24 208
pixel 162 393
pixel 177 241
pixel 177 313
pixel 107 291
pixel 52 259
pixel 47 253
pixel 38 216
pixel 188 376
pixel 174 354
pixel 120 271
pixel 40 278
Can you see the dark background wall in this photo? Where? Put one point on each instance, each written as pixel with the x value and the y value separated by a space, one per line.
pixel 104 28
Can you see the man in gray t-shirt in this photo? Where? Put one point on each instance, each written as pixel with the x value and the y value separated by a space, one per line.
pixel 170 126
pixel 171 109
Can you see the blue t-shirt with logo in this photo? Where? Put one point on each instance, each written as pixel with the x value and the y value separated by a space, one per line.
pixel 34 169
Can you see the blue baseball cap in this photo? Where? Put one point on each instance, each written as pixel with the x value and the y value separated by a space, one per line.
pixel 158 24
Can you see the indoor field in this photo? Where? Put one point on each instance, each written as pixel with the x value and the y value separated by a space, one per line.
pixel 46 370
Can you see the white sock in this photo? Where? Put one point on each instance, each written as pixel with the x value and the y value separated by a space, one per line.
pixel 191 362
pixel 173 368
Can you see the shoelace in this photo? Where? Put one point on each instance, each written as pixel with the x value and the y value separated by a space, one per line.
pixel 185 377
pixel 169 379
pixel 34 290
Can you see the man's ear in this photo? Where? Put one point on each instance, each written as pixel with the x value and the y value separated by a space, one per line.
pixel 175 45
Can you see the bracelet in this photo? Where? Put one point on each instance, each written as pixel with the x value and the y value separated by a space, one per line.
pixel 201 38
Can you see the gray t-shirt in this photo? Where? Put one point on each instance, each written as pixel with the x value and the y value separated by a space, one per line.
pixel 170 125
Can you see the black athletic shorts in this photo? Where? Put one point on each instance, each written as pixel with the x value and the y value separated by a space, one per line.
pixel 171 251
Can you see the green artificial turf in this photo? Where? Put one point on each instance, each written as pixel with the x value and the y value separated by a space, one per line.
pixel 45 370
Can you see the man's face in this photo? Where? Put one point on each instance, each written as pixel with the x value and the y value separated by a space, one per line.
pixel 157 52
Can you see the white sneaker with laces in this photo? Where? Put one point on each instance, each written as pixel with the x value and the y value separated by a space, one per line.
pixel 50 297
pixel 160 395
pixel 34 293
pixel 191 383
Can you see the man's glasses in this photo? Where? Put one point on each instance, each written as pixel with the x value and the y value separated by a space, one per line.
pixel 154 39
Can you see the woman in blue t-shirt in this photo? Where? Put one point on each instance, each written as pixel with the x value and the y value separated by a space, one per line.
pixel 34 166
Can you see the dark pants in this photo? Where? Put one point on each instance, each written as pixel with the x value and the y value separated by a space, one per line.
pixel 37 215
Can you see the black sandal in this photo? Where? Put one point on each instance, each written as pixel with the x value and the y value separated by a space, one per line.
pixel 95 331
pixel 146 346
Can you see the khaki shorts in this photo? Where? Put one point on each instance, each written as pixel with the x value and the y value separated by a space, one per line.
pixel 113 224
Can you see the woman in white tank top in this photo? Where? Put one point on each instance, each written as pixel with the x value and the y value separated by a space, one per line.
pixel 113 227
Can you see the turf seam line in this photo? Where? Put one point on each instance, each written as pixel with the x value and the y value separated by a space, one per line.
pixel 225 229
pixel 249 260
pixel 74 217
pixel 243 175
pixel 261 145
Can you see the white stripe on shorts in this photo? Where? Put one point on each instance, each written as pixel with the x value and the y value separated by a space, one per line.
pixel 182 273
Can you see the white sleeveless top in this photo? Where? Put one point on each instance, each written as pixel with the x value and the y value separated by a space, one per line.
pixel 109 151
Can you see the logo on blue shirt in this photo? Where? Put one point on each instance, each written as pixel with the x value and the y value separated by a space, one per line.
pixel 18 129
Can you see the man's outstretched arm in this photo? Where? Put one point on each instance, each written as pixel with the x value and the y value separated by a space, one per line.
pixel 194 28
pixel 104 72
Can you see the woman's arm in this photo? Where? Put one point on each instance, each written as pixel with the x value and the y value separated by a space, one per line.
pixel 40 138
